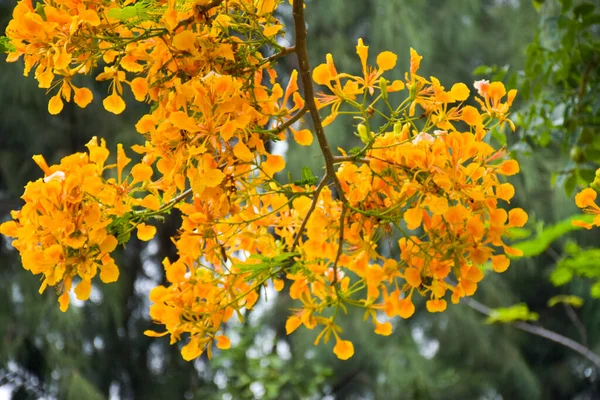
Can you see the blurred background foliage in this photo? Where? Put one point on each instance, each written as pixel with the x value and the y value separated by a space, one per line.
pixel 548 49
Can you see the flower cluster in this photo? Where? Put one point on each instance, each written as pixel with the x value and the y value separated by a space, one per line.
pixel 445 184
pixel 63 230
pixel 216 103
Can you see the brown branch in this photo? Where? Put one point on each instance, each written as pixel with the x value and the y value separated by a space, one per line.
pixel 170 203
pixel 309 94
pixel 212 4
pixel 342 159
pixel 291 121
pixel 542 332
pixel 284 52
pixel 199 9
pixel 180 197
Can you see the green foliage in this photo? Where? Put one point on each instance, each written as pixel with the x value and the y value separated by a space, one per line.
pixel 308 177
pixel 584 263
pixel 266 265
pixel 5 45
pixel 561 81
pixel 78 387
pixel 139 11
pixel 261 366
pixel 547 235
pixel 518 312
pixel 571 300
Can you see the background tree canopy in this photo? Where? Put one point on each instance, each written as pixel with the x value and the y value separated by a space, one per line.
pixel 548 50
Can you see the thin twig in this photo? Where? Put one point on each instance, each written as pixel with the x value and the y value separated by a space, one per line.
pixel 181 196
pixel 577 322
pixel 340 245
pixel 170 203
pixel 309 94
pixel 212 4
pixel 542 332
pixel 312 207
pixel 284 52
pixel 291 121
pixel 342 159
pixel 199 9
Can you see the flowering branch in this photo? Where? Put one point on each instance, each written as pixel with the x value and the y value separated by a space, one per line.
pixel 309 95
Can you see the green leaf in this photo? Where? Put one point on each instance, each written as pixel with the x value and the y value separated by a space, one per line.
pixel 355 151
pixel 482 70
pixel 499 136
pixel 566 5
pixel 539 244
pixel 307 177
pixel 518 233
pixel 81 388
pixel 138 11
pixel 584 9
pixel 570 184
pixel 518 312
pixel 561 276
pixel 596 290
pixel 569 299
pixel 6 46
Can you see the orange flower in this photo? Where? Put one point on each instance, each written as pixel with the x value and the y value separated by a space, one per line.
pixel 344 349
pixel 384 329
pixel 438 305
pixel 223 342
pixel 586 198
pixel 517 217
pixel 145 232
pixel 114 103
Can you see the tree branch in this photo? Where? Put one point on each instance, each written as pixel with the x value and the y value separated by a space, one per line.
pixel 309 94
pixel 542 332
pixel 313 205
pixel 284 52
pixel 291 121
pixel 212 4
pixel 342 159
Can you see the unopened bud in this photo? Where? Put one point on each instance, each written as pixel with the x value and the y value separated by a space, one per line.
pixel 383 87
pixel 413 91
pixel 363 133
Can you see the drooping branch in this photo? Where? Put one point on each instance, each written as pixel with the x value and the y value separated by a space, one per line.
pixel 542 332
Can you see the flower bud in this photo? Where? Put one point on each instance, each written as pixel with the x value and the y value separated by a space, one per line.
pixel 363 133
pixel 383 87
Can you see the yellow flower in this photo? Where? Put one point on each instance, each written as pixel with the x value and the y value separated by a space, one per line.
pixel 223 342
pixel 114 103
pixel 344 349
pixel 437 305
pixel 145 232
pixel 292 324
